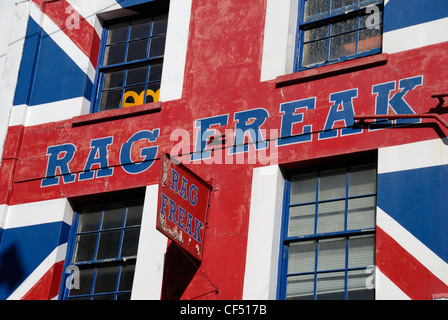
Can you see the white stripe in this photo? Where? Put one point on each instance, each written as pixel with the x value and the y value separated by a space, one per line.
pixel 262 253
pixel 411 244
pixel 3 211
pixel 56 256
pixel 34 213
pixel 278 37
pixel 49 112
pixel 416 36
pixel 385 289
pixel 416 155
pixel 175 56
pixel 64 42
pixel 148 276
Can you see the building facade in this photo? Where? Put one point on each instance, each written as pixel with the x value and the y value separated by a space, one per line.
pixel 318 126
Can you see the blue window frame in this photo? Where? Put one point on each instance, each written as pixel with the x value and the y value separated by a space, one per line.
pixel 336 30
pixel 328 234
pixel 102 250
pixel 130 62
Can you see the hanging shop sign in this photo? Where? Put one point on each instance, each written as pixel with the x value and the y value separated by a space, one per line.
pixel 182 206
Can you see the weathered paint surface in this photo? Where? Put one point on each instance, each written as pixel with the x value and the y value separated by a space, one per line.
pixel 222 90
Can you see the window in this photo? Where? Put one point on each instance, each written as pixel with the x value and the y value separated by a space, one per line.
pixel 131 62
pixel 103 250
pixel 328 234
pixel 336 30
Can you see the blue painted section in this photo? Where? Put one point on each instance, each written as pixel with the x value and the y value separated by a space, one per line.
pixel 129 3
pixel 47 74
pixel 22 250
pixel 417 200
pixel 28 63
pixel 1 235
pixel 400 14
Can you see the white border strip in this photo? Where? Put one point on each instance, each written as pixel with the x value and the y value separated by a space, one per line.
pixel 276 36
pixel 263 244
pixel 416 36
pixel 35 213
pixel 175 50
pixel 48 112
pixel 413 156
pixel 151 251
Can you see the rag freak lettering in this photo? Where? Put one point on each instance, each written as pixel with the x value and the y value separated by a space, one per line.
pixel 249 123
pixel 97 162
pixel 248 131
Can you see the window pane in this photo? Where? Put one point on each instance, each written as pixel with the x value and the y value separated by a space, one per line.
pixel 343 45
pixel 89 220
pixel 316 33
pixel 109 244
pixel 303 188
pixel 343 26
pixel 85 282
pixel 332 184
pixel 106 279
pixel 331 254
pixel 302 257
pixel 301 220
pixel 110 99
pixel 330 286
pixel 140 29
pixel 157 47
pixel 113 215
pixel 362 180
pixel 159 25
pixel 126 277
pixel 368 2
pixel 130 242
pixel 300 287
pixel 117 33
pixel 369 39
pixel 124 296
pixel 136 75
pixel 356 286
pixel 155 73
pixel 361 251
pixel 137 50
pixel 85 247
pixel 103 297
pixel 134 213
pixel 314 52
pixel 114 54
pixel 342 5
pixel 315 9
pixel 361 213
pixel 331 216
pixel 113 79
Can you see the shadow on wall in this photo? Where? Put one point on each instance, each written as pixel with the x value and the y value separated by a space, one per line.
pixel 11 272
pixel 178 272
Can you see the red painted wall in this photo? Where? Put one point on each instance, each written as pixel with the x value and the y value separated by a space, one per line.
pixel 222 76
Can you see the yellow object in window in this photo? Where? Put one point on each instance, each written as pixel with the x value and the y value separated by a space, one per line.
pixel 138 99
